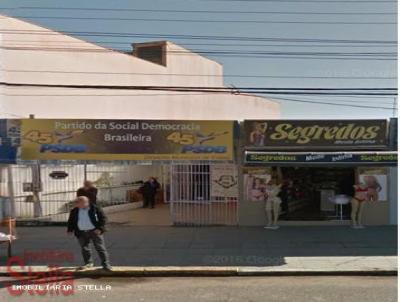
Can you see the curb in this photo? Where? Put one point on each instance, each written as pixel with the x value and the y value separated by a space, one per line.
pixel 199 272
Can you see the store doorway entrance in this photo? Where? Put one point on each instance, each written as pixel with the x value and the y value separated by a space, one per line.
pixel 307 193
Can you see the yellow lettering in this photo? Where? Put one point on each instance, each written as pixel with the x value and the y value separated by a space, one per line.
pixel 281 131
pixel 357 132
pixel 371 132
pixel 330 132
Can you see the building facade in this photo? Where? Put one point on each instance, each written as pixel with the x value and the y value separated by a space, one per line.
pixel 314 172
pixel 37 56
pixel 213 170
pixel 326 169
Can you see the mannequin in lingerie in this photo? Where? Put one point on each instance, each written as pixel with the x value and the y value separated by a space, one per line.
pixel 272 204
pixel 373 187
pixel 357 205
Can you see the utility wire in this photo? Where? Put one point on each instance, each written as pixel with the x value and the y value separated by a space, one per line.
pixel 241 52
pixel 207 20
pixel 222 90
pixel 380 102
pixel 330 103
pixel 274 55
pixel 63 43
pixel 199 11
pixel 196 37
pixel 195 75
pixel 263 90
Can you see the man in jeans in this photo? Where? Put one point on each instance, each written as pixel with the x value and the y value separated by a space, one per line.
pixel 87 222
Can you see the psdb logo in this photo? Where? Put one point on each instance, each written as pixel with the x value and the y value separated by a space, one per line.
pixel 61 148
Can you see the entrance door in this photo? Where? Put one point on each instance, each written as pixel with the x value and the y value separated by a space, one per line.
pixel 307 192
pixel 203 194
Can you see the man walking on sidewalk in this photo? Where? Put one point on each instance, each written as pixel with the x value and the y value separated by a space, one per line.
pixel 87 222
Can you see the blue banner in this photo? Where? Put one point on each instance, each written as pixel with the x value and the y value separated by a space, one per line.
pixel 9 131
pixel 357 158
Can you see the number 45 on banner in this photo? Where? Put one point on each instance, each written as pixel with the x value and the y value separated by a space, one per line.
pixel 181 138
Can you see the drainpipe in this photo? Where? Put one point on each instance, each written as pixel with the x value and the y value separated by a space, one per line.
pixel 36 185
pixel 10 188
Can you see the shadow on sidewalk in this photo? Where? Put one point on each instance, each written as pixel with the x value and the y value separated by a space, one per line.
pixel 211 246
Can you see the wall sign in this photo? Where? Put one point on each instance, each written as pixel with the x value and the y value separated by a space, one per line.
pixel 224 181
pixel 385 158
pixel 316 134
pixel 58 174
pixel 51 139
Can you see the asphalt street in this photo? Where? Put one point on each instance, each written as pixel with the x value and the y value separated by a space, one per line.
pixel 221 289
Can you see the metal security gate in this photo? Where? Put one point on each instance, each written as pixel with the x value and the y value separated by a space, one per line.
pixel 198 194
pixel 204 194
pixel 38 194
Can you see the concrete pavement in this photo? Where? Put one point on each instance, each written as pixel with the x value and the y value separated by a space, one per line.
pixel 238 249
pixel 288 266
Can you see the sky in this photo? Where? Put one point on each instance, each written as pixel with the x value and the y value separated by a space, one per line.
pixel 261 19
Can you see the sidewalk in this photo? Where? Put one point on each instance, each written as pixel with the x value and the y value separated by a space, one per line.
pixel 233 249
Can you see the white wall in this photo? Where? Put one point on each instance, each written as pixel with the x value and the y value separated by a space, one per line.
pixel 393 195
pixel 33 54
pixel 64 103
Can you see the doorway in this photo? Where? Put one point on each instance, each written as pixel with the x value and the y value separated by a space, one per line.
pixel 307 192
pixel 204 194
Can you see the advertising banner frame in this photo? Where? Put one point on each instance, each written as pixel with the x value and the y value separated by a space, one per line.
pixel 127 140
pixel 286 135
pixel 321 158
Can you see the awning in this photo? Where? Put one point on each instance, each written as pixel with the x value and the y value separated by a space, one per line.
pixel 386 158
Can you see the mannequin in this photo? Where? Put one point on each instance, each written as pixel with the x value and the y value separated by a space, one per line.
pixel 273 204
pixel 373 187
pixel 357 205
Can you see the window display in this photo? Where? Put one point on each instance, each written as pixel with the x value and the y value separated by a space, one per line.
pixel 376 181
pixel 302 193
pixel 255 181
pixel 265 185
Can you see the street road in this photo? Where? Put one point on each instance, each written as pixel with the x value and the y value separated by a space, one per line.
pixel 222 289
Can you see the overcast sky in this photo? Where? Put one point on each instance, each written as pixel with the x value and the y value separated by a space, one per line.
pixel 270 71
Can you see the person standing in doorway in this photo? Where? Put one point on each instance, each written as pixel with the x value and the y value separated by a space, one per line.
pixel 88 190
pixel 149 190
pixel 87 222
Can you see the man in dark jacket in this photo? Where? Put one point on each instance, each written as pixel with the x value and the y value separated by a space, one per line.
pixel 88 190
pixel 149 191
pixel 87 222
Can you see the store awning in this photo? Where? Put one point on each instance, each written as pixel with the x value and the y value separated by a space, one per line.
pixel 384 158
